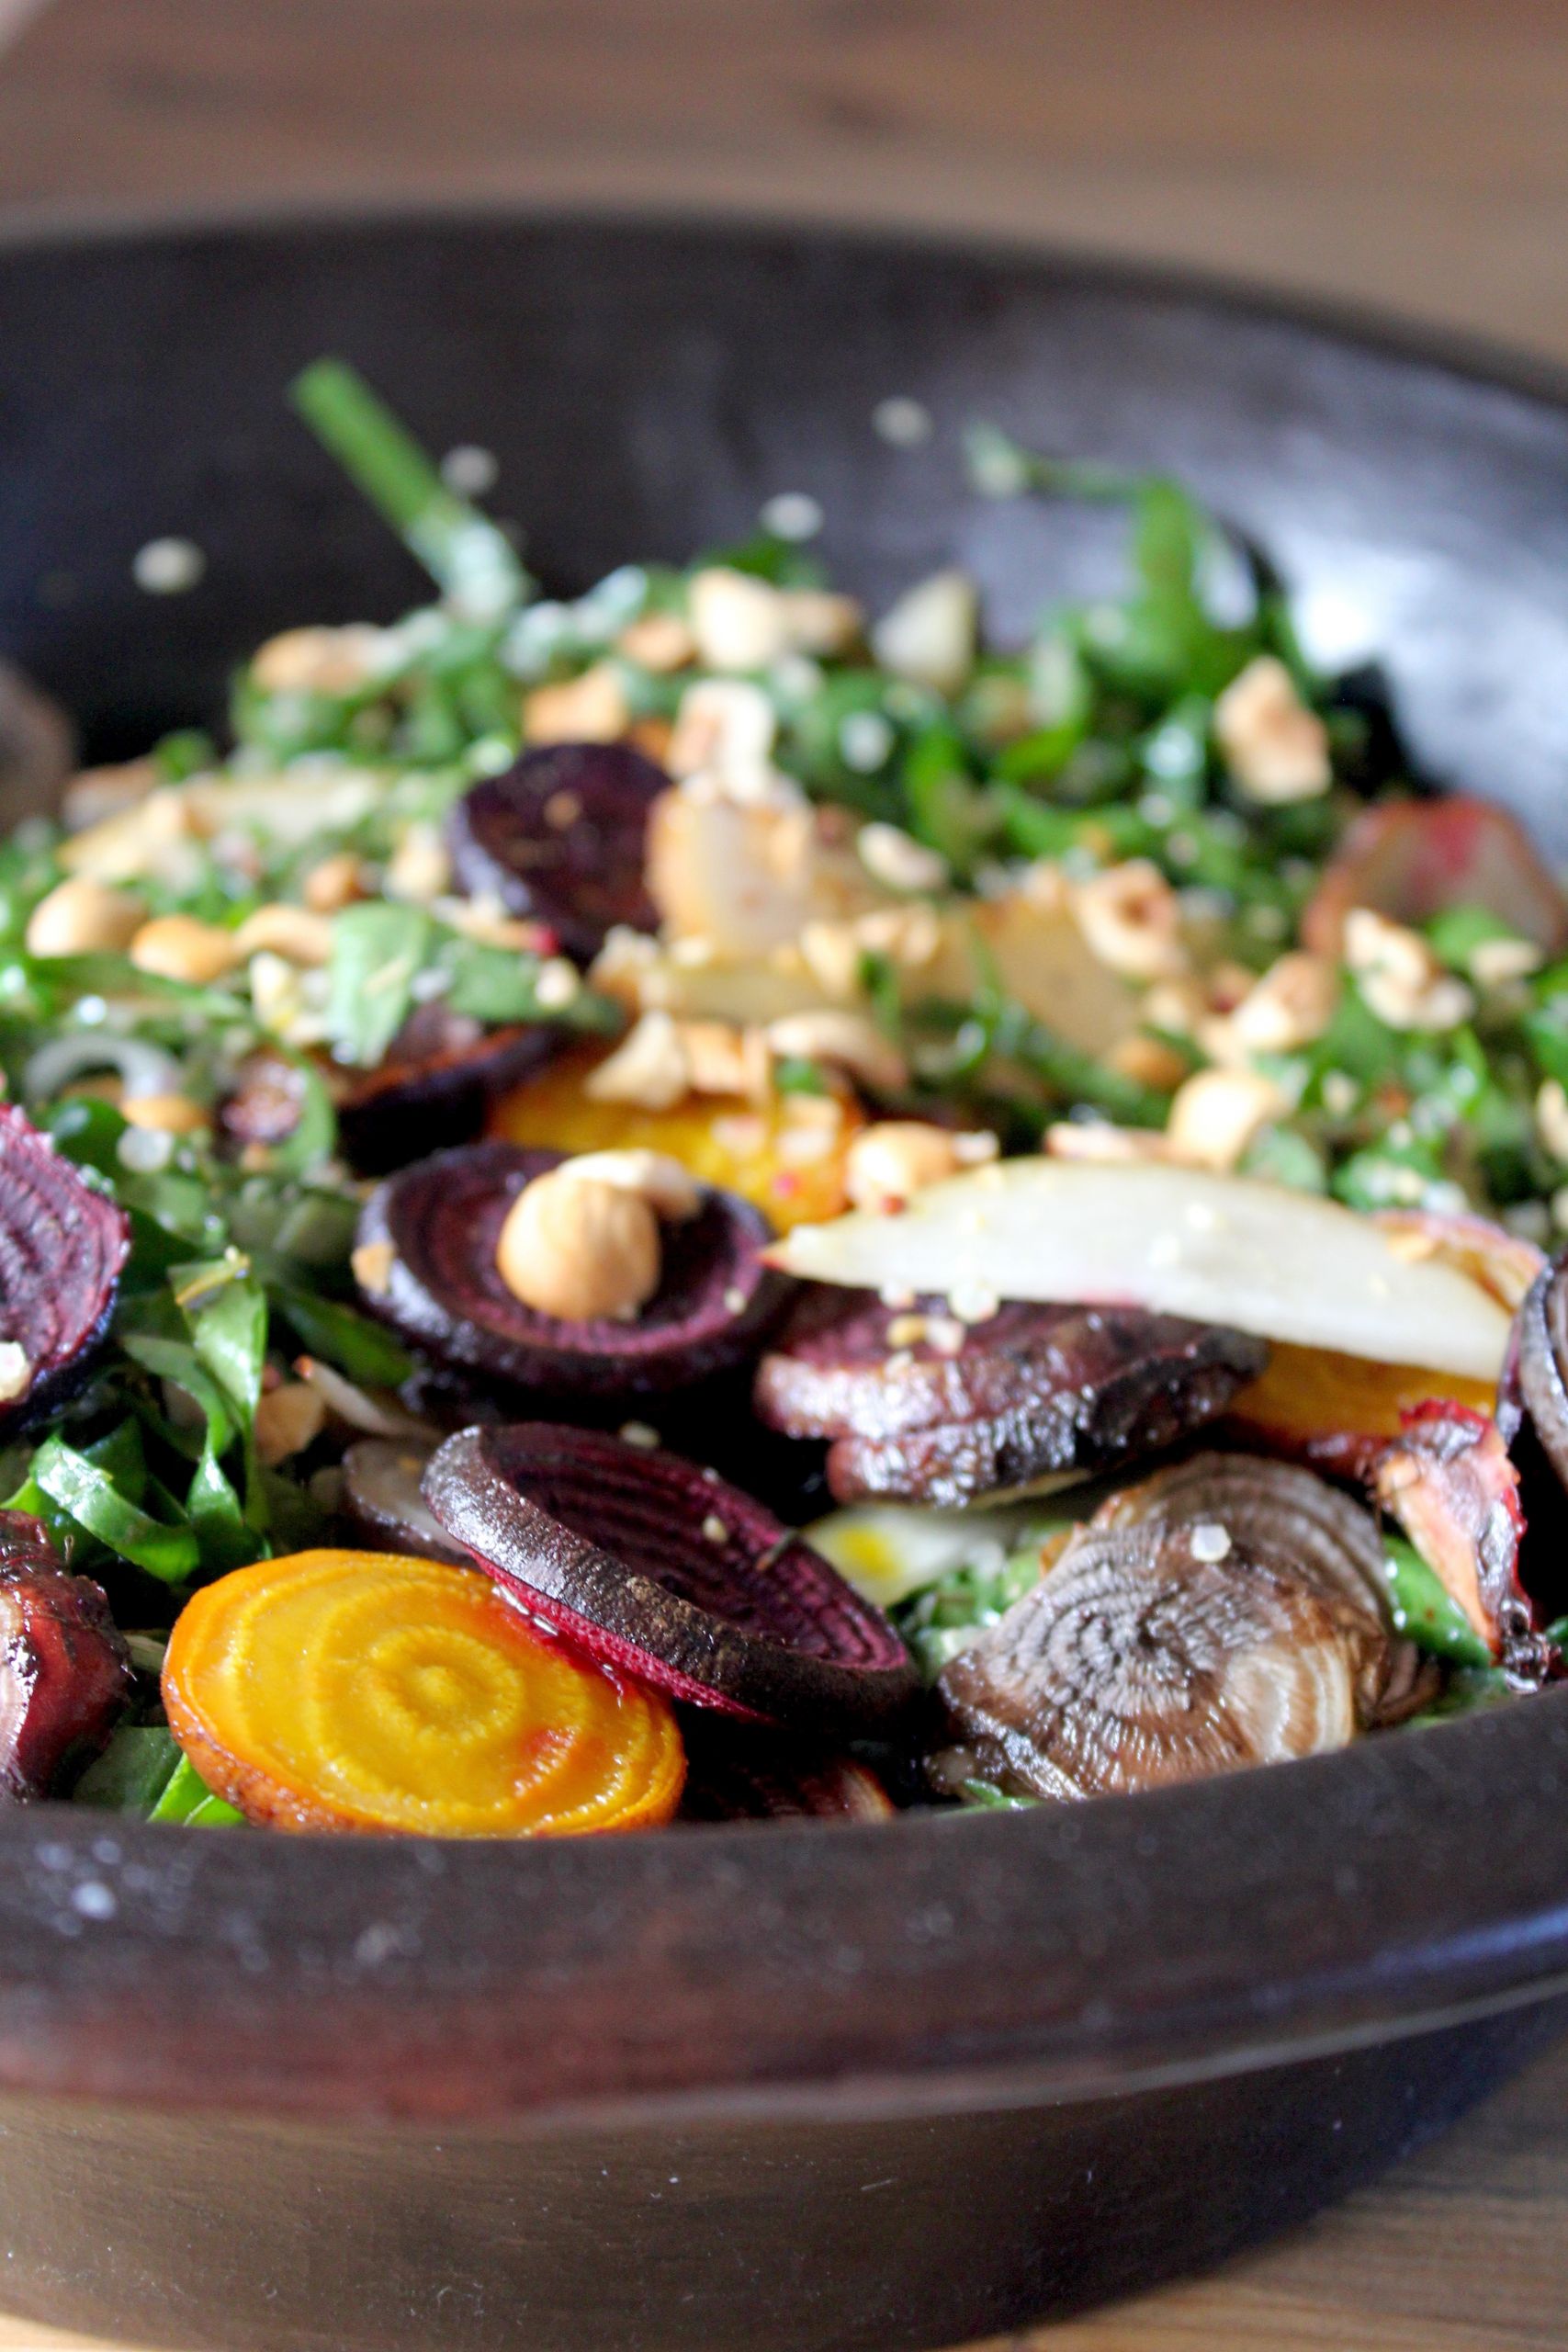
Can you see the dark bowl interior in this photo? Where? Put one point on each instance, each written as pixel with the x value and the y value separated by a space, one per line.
pixel 1192 1986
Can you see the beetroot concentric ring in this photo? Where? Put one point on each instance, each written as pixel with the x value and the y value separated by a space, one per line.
pixel 63 1245
pixel 561 837
pixel 442 1217
pixel 654 1566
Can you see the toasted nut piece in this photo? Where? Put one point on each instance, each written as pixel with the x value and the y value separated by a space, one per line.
pixel 1275 747
pixel 670 1189
pixel 288 1418
pixel 169 1115
pixel 820 620
pixel 420 869
pixel 1400 978
pixel 1176 1005
pixel 1289 1007
pixel 847 1040
pixel 724 1059
pixel 589 710
pixel 283 930
pixel 1150 1062
pixel 578 1248
pixel 895 858
pixel 336 883
pixel 84 918
pixel 1102 1143
pixel 724 727
pixel 154 836
pixel 658 641
pixel 1551 1119
pixel 1217 1113
pixel 892 1160
pixel 371 1265
pixel 333 661
pixel 99 793
pixel 928 635
pixel 739 622
pixel 178 947
pixel 648 1067
pixel 1132 919
pixel 1498 962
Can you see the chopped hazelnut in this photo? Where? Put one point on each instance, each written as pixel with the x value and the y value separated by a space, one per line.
pixel 1551 1119
pixel 670 1189
pixel 1275 747
pixel 420 869
pixel 1402 980
pixel 928 637
pixel 648 1067
pixel 847 1040
pixel 336 883
pixel 288 1418
pixel 281 930
pixel 169 1115
pixel 580 1249
pixel 1289 1007
pixel 1216 1114
pixel 81 916
pixel 895 859
pixel 657 641
pixel 1132 919
pixel 372 1265
pixel 1103 1144
pixel 333 661
pixel 592 708
pixel 893 1159
pixel 178 947
pixel 724 727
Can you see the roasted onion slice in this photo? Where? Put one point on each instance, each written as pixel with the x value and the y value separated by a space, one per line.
pixel 919 1408
pixel 1296 1521
pixel 62 1247
pixel 382 1502
pixel 1451 1487
pixel 1140 1660
pixel 657 1568
pixel 1412 859
pixel 561 837
pixel 65 1673
pixel 431 1232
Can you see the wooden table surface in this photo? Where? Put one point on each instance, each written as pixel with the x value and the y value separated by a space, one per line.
pixel 1411 153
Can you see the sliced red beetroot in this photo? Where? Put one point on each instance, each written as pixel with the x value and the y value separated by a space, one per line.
pixel 922 1409
pixel 440 1221
pixel 63 1245
pixel 1451 1488
pixel 561 838
pixel 438 1076
pixel 65 1673
pixel 1415 859
pixel 737 1774
pixel 382 1502
pixel 663 1569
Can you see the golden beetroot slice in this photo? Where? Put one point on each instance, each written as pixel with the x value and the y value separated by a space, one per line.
pixel 63 1245
pixel 1412 859
pixel 561 838
pixel 431 1232
pixel 921 1408
pixel 65 1673
pixel 664 1570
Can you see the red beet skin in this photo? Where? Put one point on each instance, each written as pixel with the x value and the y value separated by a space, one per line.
pixel 62 1244
pixel 663 1569
pixel 65 1674
pixel 561 838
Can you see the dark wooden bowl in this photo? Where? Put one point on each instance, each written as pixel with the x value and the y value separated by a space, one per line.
pixel 782 2086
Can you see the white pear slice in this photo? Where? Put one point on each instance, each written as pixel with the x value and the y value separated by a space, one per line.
pixel 1217 1249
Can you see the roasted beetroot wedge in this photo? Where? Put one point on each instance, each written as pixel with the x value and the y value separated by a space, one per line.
pixel 561 837
pixel 1412 859
pixel 430 1233
pixel 1532 1413
pixel 922 1409
pixel 62 1248
pixel 65 1673
pixel 735 1773
pixel 436 1080
pixel 661 1568
pixel 1451 1488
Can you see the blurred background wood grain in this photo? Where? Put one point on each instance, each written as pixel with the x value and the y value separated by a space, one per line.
pixel 1410 154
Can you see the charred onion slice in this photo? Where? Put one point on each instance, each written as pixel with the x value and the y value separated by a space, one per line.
pixel 1033 1393
pixel 62 1247
pixel 661 1569
pixel 735 1774
pixel 1137 1661
pixel 562 837
pixel 1451 1488
pixel 436 1080
pixel 1412 859
pixel 1285 1516
pixel 65 1673
pixel 382 1502
pixel 441 1219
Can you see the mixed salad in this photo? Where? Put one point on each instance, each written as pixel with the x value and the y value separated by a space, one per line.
pixel 694 1204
